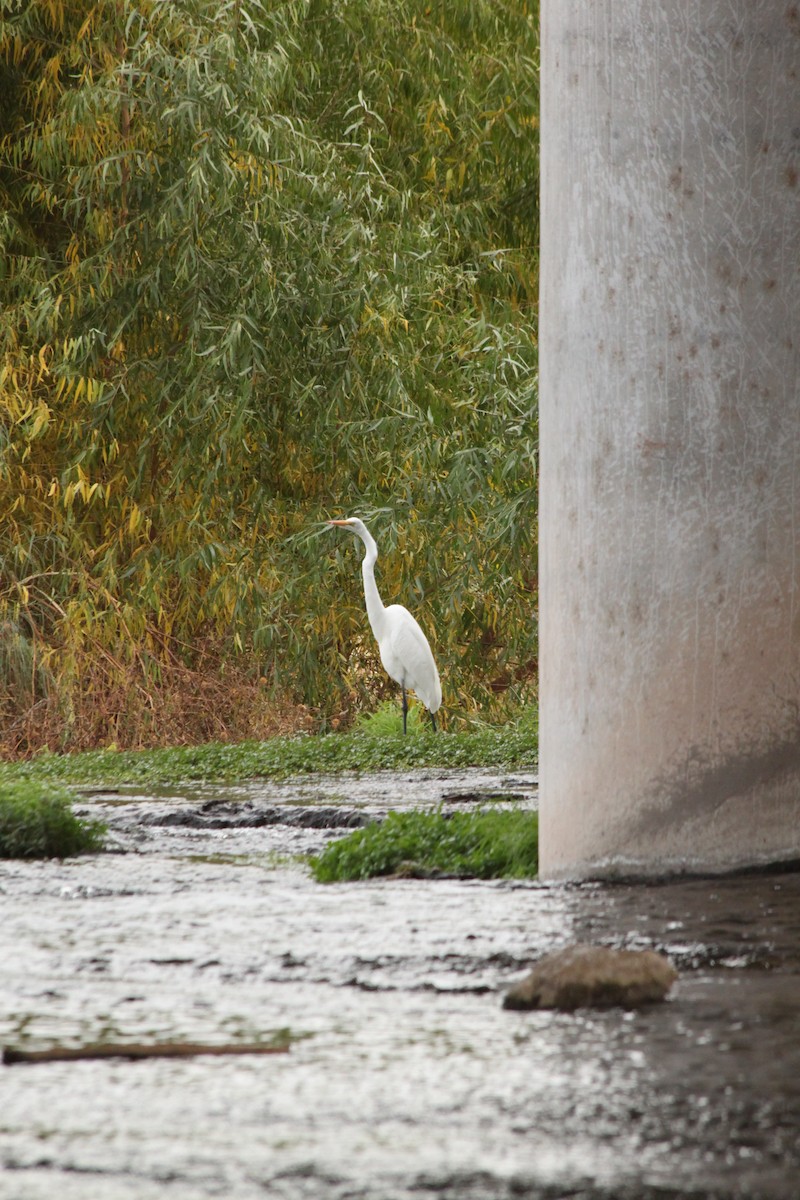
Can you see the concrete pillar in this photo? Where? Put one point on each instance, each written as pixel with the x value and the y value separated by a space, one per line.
pixel 670 436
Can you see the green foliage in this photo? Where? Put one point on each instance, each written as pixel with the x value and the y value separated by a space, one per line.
pixel 262 264
pixel 510 746
pixel 484 844
pixel 37 821
pixel 387 721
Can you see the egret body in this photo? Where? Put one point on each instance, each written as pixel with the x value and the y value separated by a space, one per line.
pixel 404 649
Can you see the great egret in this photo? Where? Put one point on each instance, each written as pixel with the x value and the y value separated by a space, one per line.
pixel 404 649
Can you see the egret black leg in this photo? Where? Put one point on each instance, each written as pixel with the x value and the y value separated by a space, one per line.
pixel 433 722
pixel 405 709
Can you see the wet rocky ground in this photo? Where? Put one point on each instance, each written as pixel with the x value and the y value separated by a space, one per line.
pixel 405 1078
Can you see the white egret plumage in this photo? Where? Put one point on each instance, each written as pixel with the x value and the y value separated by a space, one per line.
pixel 405 652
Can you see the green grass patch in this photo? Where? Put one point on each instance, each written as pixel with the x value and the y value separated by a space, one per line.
pixel 371 748
pixel 387 721
pixel 37 821
pixel 483 844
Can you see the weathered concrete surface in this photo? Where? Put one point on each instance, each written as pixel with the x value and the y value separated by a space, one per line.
pixel 670 434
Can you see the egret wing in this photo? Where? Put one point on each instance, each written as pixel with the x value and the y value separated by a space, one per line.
pixel 407 657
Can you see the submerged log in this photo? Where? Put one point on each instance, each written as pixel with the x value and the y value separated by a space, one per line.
pixel 134 1050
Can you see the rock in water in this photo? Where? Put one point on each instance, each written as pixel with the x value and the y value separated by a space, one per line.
pixel 585 976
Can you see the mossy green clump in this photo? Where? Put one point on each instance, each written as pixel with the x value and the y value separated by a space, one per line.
pixel 37 821
pixel 483 844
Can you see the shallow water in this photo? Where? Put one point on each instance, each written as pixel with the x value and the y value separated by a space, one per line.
pixel 405 1079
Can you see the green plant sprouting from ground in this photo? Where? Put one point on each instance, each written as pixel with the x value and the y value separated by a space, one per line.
pixel 262 264
pixel 483 844
pixel 37 821
pixel 387 721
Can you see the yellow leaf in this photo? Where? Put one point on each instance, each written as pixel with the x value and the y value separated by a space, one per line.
pixel 84 29
pixel 41 420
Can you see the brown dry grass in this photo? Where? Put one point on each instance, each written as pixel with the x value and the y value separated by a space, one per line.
pixel 166 704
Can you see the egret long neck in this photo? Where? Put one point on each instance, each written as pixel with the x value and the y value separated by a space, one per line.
pixel 375 610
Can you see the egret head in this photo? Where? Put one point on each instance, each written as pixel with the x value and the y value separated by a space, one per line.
pixel 357 526
pixel 354 524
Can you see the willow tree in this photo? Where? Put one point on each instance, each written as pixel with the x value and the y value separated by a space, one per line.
pixel 263 263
